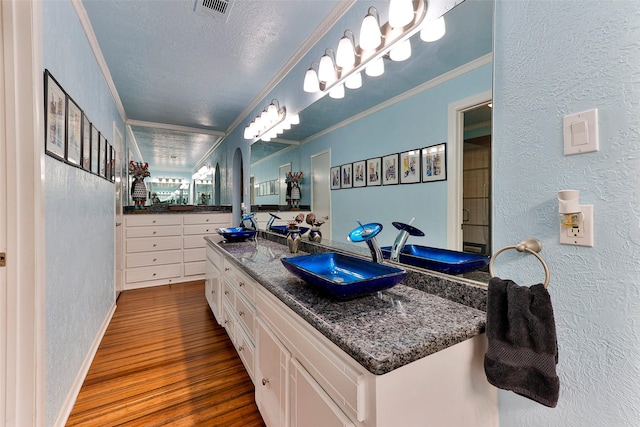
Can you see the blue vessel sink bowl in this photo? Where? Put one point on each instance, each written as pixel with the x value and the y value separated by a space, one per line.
pixel 342 276
pixel 283 229
pixel 236 234
pixel 436 259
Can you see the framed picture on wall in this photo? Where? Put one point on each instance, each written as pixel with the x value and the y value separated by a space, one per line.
pixel 107 171
pixel 346 172
pixel 434 163
pixel 74 132
pixel 54 118
pixel 410 167
pixel 359 173
pixel 102 160
pixel 86 143
pixel 373 171
pixel 113 164
pixel 390 169
pixel 334 173
pixel 95 150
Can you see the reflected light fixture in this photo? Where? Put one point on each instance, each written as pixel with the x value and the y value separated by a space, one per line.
pixel 343 69
pixel 270 123
pixel 433 30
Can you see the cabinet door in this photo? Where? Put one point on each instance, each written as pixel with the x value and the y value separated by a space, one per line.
pixel 213 289
pixel 271 378
pixel 310 405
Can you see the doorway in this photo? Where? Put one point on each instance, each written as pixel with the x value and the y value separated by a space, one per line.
pixel 119 230
pixel 321 190
pixel 476 181
pixel 282 182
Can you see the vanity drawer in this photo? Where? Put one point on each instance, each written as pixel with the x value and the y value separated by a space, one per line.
pixel 154 244
pixel 247 351
pixel 247 286
pixel 247 315
pixel 192 242
pixel 152 219
pixel 220 220
pixel 228 294
pixel 195 268
pixel 192 255
pixel 153 258
pixel 199 229
pixel 153 273
pixel 154 231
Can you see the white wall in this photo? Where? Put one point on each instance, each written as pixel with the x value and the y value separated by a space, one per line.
pixel 554 58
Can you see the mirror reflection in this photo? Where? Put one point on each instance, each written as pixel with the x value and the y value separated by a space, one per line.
pixel 442 94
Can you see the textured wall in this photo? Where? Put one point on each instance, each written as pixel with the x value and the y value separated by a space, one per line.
pixel 554 58
pixel 79 215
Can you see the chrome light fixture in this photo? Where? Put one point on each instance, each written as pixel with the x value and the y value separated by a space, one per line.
pixel 344 69
pixel 270 123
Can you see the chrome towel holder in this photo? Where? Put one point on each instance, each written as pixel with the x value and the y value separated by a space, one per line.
pixel 530 245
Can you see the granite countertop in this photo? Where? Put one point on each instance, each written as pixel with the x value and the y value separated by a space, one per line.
pixel 382 331
pixel 180 209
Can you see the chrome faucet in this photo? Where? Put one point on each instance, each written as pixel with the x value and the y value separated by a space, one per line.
pixel 405 231
pixel 249 217
pixel 367 233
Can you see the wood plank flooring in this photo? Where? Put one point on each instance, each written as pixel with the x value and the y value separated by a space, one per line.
pixel 164 361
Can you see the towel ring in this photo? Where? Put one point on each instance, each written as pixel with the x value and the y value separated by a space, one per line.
pixel 531 245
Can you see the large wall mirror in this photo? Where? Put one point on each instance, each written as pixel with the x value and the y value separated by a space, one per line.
pixel 409 108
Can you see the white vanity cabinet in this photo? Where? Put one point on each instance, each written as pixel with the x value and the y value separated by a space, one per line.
pixel 168 248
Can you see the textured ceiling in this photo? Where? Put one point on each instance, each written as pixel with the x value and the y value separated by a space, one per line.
pixel 180 69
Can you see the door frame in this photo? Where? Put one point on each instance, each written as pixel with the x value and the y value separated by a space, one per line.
pixel 21 61
pixel 455 150
pixel 120 189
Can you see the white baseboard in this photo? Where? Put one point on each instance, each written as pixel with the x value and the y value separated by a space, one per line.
pixel 67 407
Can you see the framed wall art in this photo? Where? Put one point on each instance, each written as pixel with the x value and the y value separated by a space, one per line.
pixel 86 143
pixel 113 164
pixel 347 175
pixel 54 121
pixel 102 160
pixel 434 163
pixel 373 171
pixel 334 173
pixel 74 133
pixel 359 173
pixel 390 169
pixel 95 150
pixel 410 167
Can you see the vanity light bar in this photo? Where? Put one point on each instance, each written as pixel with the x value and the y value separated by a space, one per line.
pixel 394 41
pixel 272 122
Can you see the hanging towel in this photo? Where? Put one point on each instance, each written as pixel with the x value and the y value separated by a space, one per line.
pixel 523 349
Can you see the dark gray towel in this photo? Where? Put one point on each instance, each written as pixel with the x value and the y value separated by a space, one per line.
pixel 523 349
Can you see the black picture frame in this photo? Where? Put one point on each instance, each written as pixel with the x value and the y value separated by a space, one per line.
pixel 374 174
pixel 73 151
pixel 434 163
pixel 346 175
pixel 334 177
pixel 360 173
pixel 95 150
pixel 86 143
pixel 410 166
pixel 390 169
pixel 102 160
pixel 113 164
pixel 54 118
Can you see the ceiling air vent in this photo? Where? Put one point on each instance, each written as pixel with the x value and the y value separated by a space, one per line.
pixel 216 8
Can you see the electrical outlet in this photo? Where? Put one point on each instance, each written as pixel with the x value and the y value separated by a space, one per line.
pixel 582 235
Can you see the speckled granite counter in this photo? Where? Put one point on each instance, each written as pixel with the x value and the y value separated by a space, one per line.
pixel 383 331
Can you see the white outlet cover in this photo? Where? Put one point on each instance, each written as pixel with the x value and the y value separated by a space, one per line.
pixel 567 238
pixel 581 132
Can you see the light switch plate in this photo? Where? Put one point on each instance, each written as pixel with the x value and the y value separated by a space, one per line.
pixel 581 132
pixel 579 236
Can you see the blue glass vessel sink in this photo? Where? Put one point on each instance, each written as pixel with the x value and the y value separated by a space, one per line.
pixel 283 229
pixel 344 276
pixel 236 234
pixel 436 259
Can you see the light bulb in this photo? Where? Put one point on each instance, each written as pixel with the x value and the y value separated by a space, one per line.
pixel 370 36
pixel 345 55
pixel 295 119
pixel 375 68
pixel 311 83
pixel 401 51
pixel 272 112
pixel 326 70
pixel 400 13
pixel 354 81
pixel 434 30
pixel 337 92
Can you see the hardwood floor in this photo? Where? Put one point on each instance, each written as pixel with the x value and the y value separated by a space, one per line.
pixel 164 361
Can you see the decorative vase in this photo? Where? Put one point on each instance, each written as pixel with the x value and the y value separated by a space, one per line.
pixel 315 235
pixel 293 240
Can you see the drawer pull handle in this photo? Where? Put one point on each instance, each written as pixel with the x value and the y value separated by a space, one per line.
pixel 154 274
pixel 241 313
pixel 226 269
pixel 240 348
pixel 226 292
pixel 226 321
pixel 154 232
pixel 265 381
pixel 154 245
pixel 241 284
pixel 154 221
pixel 155 259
